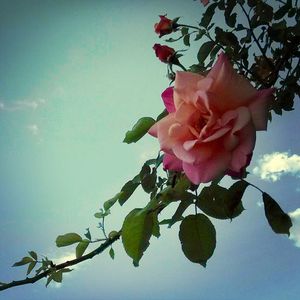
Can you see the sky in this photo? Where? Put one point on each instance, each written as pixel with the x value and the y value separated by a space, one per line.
pixel 74 77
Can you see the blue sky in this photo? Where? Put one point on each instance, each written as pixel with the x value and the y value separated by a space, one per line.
pixel 74 77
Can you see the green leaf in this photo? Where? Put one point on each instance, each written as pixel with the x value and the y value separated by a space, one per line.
pixel 81 247
pixel 279 221
pixel 155 230
pixel 183 205
pixel 282 11
pixel 235 195
pixel 146 170
pixel 31 267
pixel 207 16
pixel 220 203
pixel 198 238
pixel 136 232
pixel 148 181
pixel 162 115
pixel 109 203
pixel 127 190
pixel 204 51
pixel 184 30
pixel 68 239
pixel 88 234
pixel 230 18
pixel 101 214
pixel 139 130
pixel 226 38
pixel 263 14
pixel 57 276
pixel 112 253
pixel 186 40
pixel 199 34
pixel 25 260
pixel 33 255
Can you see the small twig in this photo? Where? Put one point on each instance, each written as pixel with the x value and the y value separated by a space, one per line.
pixel 253 185
pixel 255 38
pixel 69 263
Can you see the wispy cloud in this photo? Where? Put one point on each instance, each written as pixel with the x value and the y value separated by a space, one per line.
pixel 147 154
pixel 33 129
pixel 22 105
pixel 272 166
pixel 295 229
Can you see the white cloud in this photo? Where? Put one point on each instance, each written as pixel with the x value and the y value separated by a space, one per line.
pixel 33 129
pixel 272 166
pixel 22 105
pixel 295 229
pixel 66 257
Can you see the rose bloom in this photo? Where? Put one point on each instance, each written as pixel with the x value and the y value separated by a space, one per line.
pixel 164 53
pixel 212 122
pixel 165 26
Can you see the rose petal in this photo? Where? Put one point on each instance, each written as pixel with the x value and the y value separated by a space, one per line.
pixel 153 130
pixel 259 108
pixel 186 86
pixel 184 155
pixel 247 137
pixel 232 90
pixel 168 100
pixel 207 170
pixel 185 113
pixel 171 162
pixel 165 132
pixel 216 135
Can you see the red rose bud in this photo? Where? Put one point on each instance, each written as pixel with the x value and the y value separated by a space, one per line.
pixel 164 53
pixel 204 2
pixel 165 26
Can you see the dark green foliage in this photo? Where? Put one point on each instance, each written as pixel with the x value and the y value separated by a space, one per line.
pixel 279 221
pixel 198 238
pixel 208 15
pixel 183 205
pixel 148 178
pixel 127 190
pixel 221 203
pixel 204 51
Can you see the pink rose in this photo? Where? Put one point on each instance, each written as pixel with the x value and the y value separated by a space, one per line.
pixel 212 122
pixel 165 26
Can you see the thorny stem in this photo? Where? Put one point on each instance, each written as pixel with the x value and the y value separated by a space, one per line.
pixel 69 263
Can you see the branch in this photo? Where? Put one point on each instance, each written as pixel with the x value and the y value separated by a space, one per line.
pixel 69 263
pixel 255 38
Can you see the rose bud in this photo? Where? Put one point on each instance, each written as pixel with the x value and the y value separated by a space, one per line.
pixel 164 53
pixel 165 26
